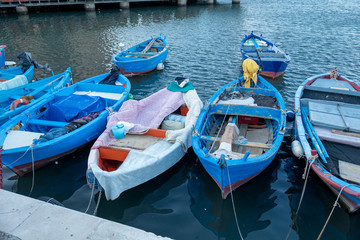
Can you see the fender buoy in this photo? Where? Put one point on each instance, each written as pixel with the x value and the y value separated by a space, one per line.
pixel 297 149
pixel 17 102
pixel 160 67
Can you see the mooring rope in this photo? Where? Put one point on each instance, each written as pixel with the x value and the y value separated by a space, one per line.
pixel 91 196
pixel 233 204
pixel 98 202
pixel 33 169
pixel 20 157
pixel 332 210
pixel 307 171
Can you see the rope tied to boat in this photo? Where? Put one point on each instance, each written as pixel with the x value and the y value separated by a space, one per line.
pixel 221 125
pixel 332 210
pixel 310 159
pixel 98 202
pixel 33 169
pixel 232 200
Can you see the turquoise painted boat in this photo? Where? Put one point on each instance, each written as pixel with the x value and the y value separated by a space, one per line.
pixel 328 128
pixel 239 132
pixel 143 57
pixel 17 100
pixel 62 123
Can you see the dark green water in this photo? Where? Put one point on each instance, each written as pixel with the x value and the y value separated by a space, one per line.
pixel 184 203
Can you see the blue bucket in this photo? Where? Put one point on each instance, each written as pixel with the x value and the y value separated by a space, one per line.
pixel 118 131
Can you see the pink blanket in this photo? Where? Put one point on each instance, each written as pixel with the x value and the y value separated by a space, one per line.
pixel 146 113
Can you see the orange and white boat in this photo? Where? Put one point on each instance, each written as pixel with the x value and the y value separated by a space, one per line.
pixel 144 139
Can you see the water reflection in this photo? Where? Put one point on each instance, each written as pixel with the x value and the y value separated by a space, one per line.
pixel 316 206
pixel 252 201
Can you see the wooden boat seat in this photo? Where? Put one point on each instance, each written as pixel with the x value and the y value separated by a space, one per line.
pixel 239 142
pixel 266 112
pixel 138 142
pixel 114 96
pixel 267 54
pixel 140 53
pixel 335 115
pixel 46 123
pixel 330 94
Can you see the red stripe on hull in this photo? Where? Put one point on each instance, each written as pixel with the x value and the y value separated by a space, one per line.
pixel 131 74
pixel 26 168
pixel 225 192
pixel 334 186
pixel 271 74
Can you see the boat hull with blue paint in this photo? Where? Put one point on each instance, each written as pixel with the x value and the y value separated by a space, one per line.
pixel 7 74
pixel 60 124
pixel 236 136
pixel 327 126
pixel 37 90
pixel 274 60
pixel 143 57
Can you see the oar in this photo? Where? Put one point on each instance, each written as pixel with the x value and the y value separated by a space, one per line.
pixel 343 118
pixel 258 55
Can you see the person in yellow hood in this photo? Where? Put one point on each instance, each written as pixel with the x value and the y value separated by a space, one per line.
pixel 251 69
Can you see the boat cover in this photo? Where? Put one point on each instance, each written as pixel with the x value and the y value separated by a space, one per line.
pixel 149 112
pixel 74 106
pixel 17 81
pixel 140 167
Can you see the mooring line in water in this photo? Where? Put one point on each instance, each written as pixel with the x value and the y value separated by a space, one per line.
pixel 98 202
pixel 307 171
pixel 332 210
pixel 233 204
pixel 91 196
pixel 33 169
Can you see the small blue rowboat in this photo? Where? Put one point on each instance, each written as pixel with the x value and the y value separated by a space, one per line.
pixel 61 123
pixel 14 76
pixel 274 60
pixel 143 57
pixel 16 100
pixel 239 132
pixel 328 128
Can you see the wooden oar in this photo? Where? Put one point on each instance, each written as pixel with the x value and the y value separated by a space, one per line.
pixel 258 55
pixel 346 133
pixel 343 118
pixel 149 46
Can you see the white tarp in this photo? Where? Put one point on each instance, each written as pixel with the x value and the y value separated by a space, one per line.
pixel 140 167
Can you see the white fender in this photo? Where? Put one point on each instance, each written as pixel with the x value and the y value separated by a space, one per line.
pixel 297 149
pixel 160 67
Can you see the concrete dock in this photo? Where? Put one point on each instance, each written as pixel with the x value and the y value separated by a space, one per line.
pixel 30 219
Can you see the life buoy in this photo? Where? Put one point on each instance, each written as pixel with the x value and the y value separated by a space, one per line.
pixel 17 102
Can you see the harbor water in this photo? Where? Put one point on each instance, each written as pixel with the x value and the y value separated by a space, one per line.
pixel 204 45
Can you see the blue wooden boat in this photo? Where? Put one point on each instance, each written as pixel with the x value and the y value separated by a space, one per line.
pixel 273 59
pixel 143 57
pixel 13 76
pixel 16 100
pixel 62 123
pixel 328 128
pixel 239 132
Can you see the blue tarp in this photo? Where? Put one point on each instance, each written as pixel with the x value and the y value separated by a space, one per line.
pixel 74 106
